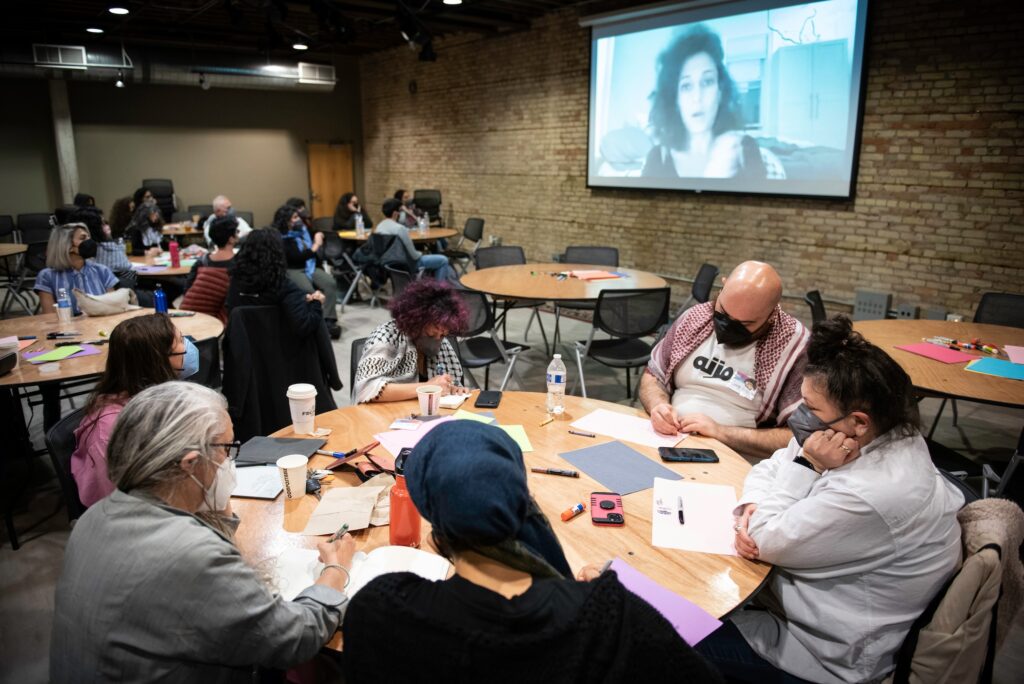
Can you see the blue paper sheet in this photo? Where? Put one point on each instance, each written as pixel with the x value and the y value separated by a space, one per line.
pixel 998 368
pixel 618 468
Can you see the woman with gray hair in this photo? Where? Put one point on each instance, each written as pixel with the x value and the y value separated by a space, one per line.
pixel 70 266
pixel 153 587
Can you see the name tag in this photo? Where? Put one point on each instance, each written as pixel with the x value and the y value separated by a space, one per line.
pixel 743 385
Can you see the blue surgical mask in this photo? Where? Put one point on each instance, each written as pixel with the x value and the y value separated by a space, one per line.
pixel 230 211
pixel 803 423
pixel 191 365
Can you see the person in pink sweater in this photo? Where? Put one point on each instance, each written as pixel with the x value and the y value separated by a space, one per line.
pixel 144 351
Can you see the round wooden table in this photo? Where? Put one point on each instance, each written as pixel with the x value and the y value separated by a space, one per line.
pixel 718 584
pixel 948 379
pixel 157 270
pixel 182 229
pixel 433 235
pixel 539 281
pixel 11 248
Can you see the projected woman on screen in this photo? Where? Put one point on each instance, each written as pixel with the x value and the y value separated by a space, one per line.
pixel 695 117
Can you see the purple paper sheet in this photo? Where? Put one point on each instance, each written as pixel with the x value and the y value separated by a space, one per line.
pixel 691 621
pixel 87 350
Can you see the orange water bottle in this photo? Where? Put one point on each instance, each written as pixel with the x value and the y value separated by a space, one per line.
pixel 405 519
pixel 175 257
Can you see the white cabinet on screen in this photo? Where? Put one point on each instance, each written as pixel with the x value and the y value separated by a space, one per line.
pixel 809 97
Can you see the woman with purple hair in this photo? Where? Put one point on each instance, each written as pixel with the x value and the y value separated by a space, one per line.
pixel 412 349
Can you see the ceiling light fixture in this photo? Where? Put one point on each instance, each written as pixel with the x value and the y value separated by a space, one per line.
pixel 274 68
pixel 118 10
pixel 203 83
pixel 94 30
pixel 300 46
pixel 453 2
pixel 119 83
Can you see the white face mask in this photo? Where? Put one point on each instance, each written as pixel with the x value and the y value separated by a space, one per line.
pixel 224 482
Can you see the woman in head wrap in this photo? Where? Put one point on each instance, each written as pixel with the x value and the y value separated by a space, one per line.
pixel 511 612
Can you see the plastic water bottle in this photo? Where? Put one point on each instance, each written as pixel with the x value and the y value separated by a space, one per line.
pixel 63 306
pixel 123 247
pixel 160 299
pixel 556 386
pixel 360 226
pixel 424 225
pixel 175 255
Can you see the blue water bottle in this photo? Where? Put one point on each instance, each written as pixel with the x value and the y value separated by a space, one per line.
pixel 160 299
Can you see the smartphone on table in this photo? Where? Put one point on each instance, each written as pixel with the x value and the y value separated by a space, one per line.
pixel 488 399
pixel 606 509
pixel 681 455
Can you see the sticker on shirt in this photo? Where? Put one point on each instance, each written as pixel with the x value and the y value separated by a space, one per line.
pixel 743 385
pixel 713 368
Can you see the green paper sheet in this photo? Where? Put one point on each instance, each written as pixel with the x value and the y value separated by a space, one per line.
pixel 463 414
pixel 518 433
pixel 56 355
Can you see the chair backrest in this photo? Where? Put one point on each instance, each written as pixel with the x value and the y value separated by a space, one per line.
pixel 428 201
pixel 400 279
pixel 34 227
pixel 632 313
pixel 35 257
pixel 598 256
pixel 813 299
pixel 969 494
pixel 334 246
pixel 246 216
pixel 6 225
pixel 1001 308
pixel 60 442
pixel 325 224
pixel 203 210
pixel 474 229
pixel 480 319
pixel 353 360
pixel 501 255
pixel 871 306
pixel 703 282
pixel 162 190
pixel 179 216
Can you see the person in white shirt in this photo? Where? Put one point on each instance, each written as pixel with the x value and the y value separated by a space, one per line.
pixel 222 207
pixel 859 523
pixel 730 369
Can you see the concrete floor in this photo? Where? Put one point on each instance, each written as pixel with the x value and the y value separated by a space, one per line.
pixel 28 576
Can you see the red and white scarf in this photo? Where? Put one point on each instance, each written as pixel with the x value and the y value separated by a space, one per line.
pixel 779 358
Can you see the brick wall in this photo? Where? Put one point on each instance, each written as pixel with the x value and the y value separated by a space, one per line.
pixel 500 126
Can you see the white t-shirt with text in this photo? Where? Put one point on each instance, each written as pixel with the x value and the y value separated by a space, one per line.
pixel 719 381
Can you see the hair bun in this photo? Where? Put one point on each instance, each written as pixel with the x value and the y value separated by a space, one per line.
pixel 831 338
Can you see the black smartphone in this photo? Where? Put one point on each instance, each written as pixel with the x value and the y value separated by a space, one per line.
pixel 488 399
pixel 679 455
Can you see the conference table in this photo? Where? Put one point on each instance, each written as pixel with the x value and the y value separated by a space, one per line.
pixel 432 235
pixel 948 380
pixel 147 267
pixel 719 584
pixel 50 376
pixel 11 249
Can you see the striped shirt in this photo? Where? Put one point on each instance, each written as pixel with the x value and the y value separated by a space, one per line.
pixel 94 279
pixel 111 255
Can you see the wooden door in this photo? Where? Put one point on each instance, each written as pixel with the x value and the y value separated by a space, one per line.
pixel 330 175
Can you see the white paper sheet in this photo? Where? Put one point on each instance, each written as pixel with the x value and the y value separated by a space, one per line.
pixel 707 509
pixel 352 505
pixel 258 482
pixel 627 428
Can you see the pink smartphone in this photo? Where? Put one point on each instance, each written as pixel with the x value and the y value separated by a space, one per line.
pixel 606 509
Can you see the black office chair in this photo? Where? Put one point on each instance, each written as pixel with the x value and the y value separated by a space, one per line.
pixel 1010 482
pixel 179 216
pixel 60 442
pixel 324 224
pixel 245 216
pixel 458 256
pixel 400 279
pixel 429 201
pixel 356 354
pixel 700 292
pixel 34 227
pixel 203 210
pixel 7 228
pixel 20 290
pixel 813 299
pixel 591 255
pixel 626 315
pixel 479 345
pixel 508 255
pixel 162 190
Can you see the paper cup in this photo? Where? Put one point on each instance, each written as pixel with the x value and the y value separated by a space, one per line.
pixel 293 475
pixel 430 399
pixel 302 402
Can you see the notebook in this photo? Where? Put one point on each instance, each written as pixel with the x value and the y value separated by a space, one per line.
pixel 268 449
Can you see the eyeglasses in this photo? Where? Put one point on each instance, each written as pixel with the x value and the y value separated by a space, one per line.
pixel 232 449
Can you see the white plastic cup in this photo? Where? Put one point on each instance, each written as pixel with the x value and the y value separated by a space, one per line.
pixel 430 399
pixel 302 402
pixel 293 475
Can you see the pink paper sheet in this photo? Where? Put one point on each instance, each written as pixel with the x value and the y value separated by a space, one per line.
pixel 691 621
pixel 396 440
pixel 593 275
pixel 1016 354
pixel 934 351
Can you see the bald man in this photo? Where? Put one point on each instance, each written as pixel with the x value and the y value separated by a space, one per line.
pixel 730 369
pixel 221 208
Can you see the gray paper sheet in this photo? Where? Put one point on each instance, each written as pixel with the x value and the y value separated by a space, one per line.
pixel 618 468
pixel 268 449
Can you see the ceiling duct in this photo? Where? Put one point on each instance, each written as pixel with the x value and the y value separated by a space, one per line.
pixel 60 56
pixel 317 74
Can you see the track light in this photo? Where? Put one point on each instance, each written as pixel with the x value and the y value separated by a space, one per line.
pixel 453 2
pixel 119 83
pixel 300 46
pixel 118 10
pixel 203 83
pixel 93 29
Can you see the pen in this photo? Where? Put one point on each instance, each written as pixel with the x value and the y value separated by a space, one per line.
pixel 555 471
pixel 546 421
pixel 66 344
pixel 607 564
pixel 682 518
pixel 249 464
pixel 582 434
pixel 336 454
pixel 339 534
pixel 55 335
pixel 26 337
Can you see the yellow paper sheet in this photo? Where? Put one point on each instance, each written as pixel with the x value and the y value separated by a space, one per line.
pixel 518 433
pixel 56 355
pixel 463 414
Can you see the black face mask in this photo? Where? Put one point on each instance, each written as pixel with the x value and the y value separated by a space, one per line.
pixel 730 332
pixel 428 346
pixel 803 423
pixel 87 249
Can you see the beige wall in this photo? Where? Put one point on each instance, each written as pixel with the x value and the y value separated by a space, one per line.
pixel 29 180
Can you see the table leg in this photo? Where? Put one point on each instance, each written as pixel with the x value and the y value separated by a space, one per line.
pixel 51 404
pixel 12 418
